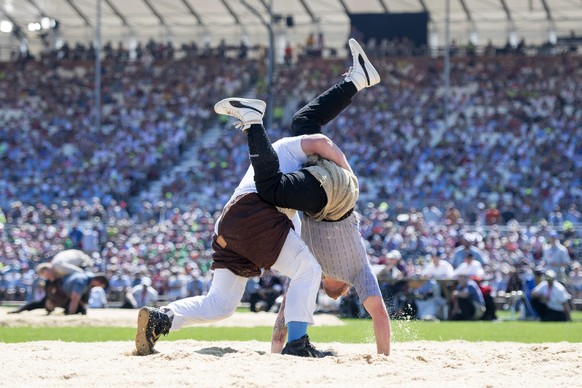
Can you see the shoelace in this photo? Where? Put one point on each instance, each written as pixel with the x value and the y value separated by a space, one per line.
pixel 354 63
pixel 234 113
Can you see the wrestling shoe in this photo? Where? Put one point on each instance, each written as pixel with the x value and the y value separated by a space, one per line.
pixel 151 324
pixel 303 348
pixel 246 110
pixel 362 73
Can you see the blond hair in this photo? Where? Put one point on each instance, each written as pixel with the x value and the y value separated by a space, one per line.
pixel 43 266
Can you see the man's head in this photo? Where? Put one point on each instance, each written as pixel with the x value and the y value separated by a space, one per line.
pixel 145 281
pixel 469 257
pixel 437 256
pixel 334 288
pixel 393 257
pixel 99 280
pixel 553 237
pixel 550 276
pixel 45 271
pixel 467 240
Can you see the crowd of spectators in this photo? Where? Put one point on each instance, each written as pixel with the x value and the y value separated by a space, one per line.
pixel 51 149
pixel 149 51
pixel 169 246
pixel 501 174
pixel 168 249
pixel 512 146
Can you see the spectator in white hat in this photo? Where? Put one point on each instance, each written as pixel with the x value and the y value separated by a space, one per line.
pixel 141 295
pixel 550 299
pixel 556 256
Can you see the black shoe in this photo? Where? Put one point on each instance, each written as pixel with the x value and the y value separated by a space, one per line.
pixel 302 347
pixel 151 324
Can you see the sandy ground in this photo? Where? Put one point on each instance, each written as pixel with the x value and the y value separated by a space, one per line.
pixel 128 318
pixel 249 364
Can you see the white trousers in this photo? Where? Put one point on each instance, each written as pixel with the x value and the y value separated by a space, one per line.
pixel 227 289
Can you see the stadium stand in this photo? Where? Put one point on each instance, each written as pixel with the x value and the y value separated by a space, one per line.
pixel 504 174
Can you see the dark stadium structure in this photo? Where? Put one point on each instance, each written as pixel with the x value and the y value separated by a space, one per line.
pixel 180 21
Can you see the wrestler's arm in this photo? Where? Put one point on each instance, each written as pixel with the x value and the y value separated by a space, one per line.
pixel 375 306
pixel 74 303
pixel 279 329
pixel 323 146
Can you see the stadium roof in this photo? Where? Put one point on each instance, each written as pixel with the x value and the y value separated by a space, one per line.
pixel 186 20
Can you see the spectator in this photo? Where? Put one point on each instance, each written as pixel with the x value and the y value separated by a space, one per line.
pixel 465 249
pixel 574 282
pixel 452 215
pixel 97 298
pixel 550 299
pixel 429 299
pixel 573 215
pixel 177 284
pixel 430 305
pixel 268 288
pixel 141 295
pixel 556 257
pixel 467 300
pixel 438 268
pixel 197 284
pixel 470 267
pixel 490 313
pixel 390 281
pixel 288 56
pixel 76 237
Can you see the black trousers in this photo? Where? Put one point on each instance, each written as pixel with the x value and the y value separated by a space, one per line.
pixel 547 314
pixel 299 189
pixel 467 310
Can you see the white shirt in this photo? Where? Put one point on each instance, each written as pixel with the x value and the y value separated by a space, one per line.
pixel 555 256
pixel 144 299
pixel 97 298
pixel 473 268
pixel 291 158
pixel 69 261
pixel 443 271
pixel 557 294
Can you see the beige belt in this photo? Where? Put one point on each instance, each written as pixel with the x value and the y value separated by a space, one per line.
pixel 221 242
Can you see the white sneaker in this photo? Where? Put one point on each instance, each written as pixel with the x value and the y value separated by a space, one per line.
pixel 362 74
pixel 246 110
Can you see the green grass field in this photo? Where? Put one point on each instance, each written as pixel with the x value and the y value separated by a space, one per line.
pixel 355 331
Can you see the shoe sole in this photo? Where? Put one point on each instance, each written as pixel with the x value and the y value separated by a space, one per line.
pixel 218 106
pixel 373 73
pixel 141 341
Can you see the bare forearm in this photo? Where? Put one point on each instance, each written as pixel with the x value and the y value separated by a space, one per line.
pixel 324 147
pixel 279 331
pixel 335 155
pixel 74 303
pixel 381 323
pixel 567 311
pixel 382 332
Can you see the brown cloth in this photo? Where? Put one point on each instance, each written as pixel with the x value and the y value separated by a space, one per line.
pixel 55 296
pixel 254 232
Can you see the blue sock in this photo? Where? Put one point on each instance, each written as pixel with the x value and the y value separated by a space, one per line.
pixel 296 330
